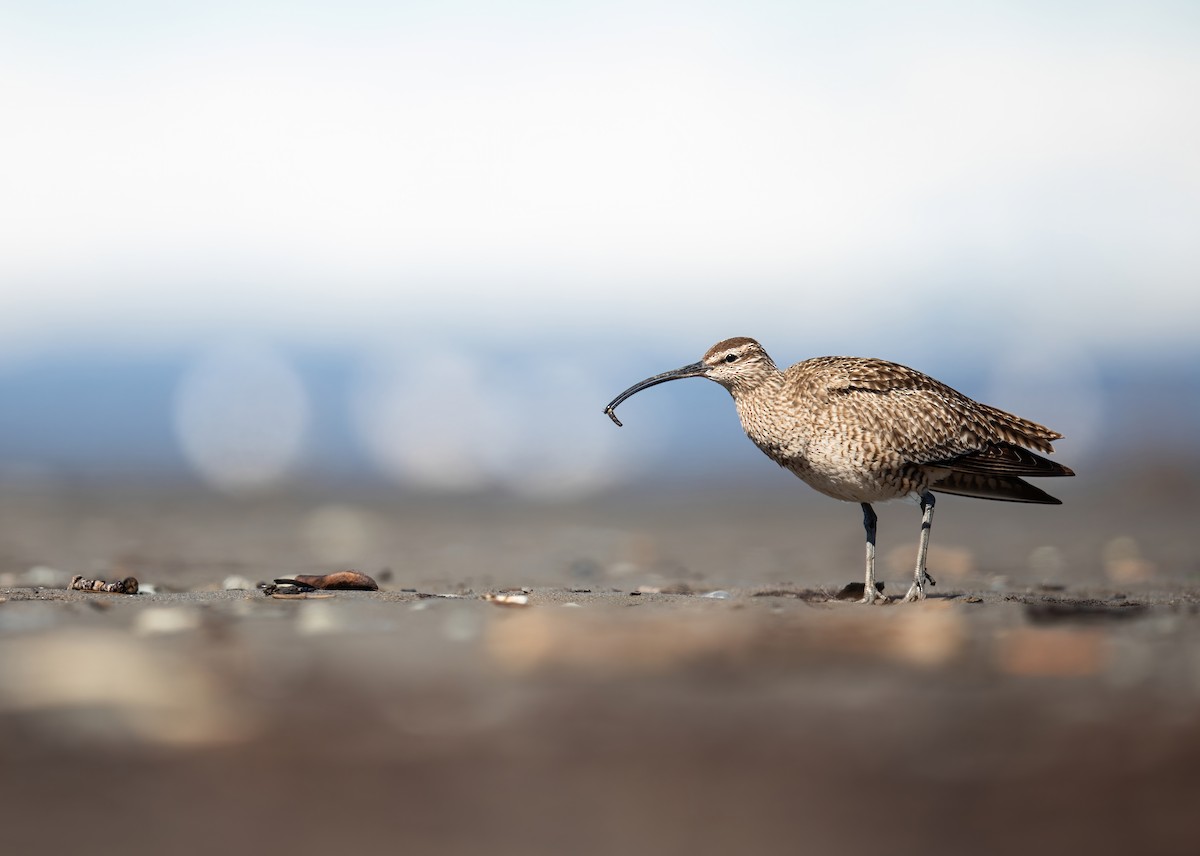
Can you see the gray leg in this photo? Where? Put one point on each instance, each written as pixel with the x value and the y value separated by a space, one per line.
pixel 920 576
pixel 869 523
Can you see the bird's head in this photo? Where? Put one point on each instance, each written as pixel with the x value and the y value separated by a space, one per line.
pixel 738 364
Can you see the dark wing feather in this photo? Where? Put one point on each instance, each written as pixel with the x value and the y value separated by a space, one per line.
pixel 1004 459
pixel 1009 488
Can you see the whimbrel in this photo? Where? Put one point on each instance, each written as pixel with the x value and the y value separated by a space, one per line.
pixel 865 430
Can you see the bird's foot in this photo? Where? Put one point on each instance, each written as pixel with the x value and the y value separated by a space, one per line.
pixel 917 590
pixel 875 595
pixel 856 593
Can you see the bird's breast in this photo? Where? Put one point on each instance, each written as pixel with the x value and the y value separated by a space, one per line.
pixel 783 437
pixel 839 463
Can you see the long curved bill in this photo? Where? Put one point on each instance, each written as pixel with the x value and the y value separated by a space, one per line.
pixel 693 370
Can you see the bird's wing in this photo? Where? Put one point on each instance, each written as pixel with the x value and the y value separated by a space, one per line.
pixel 1004 459
pixel 925 421
pixel 1009 489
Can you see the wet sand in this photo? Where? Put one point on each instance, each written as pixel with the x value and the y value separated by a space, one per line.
pixel 679 681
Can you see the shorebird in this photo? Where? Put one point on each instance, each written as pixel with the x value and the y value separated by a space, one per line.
pixel 865 430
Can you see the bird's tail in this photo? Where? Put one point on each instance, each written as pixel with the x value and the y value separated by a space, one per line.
pixel 1021 432
pixel 992 486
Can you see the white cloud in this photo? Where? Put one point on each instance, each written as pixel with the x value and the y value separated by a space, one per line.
pixel 322 174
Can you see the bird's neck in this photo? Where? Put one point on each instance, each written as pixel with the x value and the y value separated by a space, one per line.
pixel 766 382
pixel 758 410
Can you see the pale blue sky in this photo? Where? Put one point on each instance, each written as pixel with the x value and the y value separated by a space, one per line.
pixel 858 173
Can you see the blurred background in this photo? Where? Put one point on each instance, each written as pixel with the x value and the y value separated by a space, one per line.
pixel 371 252
pixel 248 246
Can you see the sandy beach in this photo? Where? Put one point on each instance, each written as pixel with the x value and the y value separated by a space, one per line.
pixel 680 677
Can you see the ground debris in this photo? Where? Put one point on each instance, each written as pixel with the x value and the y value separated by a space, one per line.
pixel 341 580
pixel 806 595
pixel 302 584
pixel 1049 610
pixel 669 588
pixel 507 599
pixel 129 585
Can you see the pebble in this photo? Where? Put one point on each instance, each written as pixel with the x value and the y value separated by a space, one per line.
pixel 129 585
pixel 345 580
pixel 719 594
pixel 504 599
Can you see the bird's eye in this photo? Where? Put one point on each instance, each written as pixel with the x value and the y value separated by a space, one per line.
pixel 731 358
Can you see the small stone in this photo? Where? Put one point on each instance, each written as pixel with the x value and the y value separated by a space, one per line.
pixel 719 594
pixel 236 582
pixel 507 599
pixel 129 585
pixel 341 580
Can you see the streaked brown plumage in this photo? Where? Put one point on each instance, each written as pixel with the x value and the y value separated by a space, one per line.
pixel 866 430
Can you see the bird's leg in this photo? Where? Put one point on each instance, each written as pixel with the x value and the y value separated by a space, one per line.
pixel 920 576
pixel 870 519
